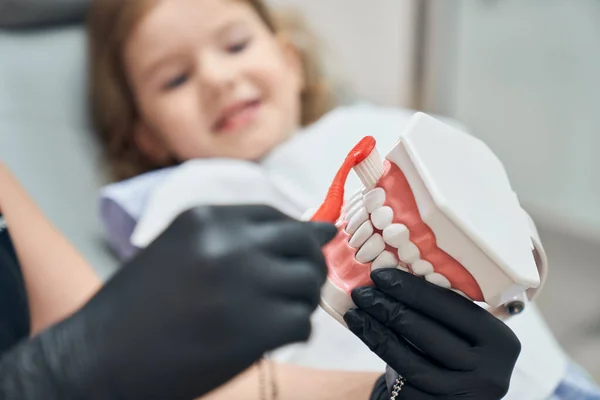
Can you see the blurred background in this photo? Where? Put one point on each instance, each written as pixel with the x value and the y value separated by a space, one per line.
pixel 524 76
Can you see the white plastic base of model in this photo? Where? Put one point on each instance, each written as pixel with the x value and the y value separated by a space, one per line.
pixel 335 301
pixel 463 194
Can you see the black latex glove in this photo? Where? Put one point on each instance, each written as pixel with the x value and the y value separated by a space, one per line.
pixel 445 346
pixel 201 304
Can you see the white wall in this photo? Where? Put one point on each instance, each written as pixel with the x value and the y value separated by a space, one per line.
pixel 524 76
pixel 369 43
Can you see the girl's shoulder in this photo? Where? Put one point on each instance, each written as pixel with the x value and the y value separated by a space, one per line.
pixel 122 203
pixel 362 113
pixel 350 123
pixel 135 209
pixel 359 114
pixel 203 182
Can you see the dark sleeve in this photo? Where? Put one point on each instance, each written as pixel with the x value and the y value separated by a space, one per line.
pixel 14 310
pixel 380 390
pixel 24 374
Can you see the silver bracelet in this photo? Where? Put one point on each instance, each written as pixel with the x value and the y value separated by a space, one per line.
pixel 397 387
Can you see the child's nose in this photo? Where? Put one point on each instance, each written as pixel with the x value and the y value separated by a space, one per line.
pixel 217 73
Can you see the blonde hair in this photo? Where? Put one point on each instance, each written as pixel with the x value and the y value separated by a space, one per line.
pixel 114 110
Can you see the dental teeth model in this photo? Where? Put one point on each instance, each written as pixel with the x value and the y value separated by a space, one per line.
pixel 440 206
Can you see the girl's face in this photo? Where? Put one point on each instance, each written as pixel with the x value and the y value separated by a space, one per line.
pixel 211 80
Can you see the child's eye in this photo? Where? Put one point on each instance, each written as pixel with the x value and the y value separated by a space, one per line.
pixel 177 81
pixel 238 47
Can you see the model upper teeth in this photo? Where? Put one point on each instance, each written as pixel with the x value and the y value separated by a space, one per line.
pixel 371 249
pixel 371 229
pixel 354 208
pixel 356 220
pixel 362 234
pixel 382 217
pixel 374 200
pixel 353 204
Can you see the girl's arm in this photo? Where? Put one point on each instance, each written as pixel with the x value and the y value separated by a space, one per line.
pixel 298 383
pixel 57 278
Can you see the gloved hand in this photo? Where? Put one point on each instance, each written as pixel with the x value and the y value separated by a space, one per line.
pixel 202 303
pixel 443 345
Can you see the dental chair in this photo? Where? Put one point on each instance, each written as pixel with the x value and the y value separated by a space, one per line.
pixel 45 135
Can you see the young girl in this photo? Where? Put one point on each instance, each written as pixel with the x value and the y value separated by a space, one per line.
pixel 222 84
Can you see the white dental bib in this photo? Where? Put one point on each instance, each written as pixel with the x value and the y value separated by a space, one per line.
pixel 294 178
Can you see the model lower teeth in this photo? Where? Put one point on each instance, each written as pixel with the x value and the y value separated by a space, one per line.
pixel 396 235
pixel 370 224
pixel 382 217
pixel 386 259
pixel 438 279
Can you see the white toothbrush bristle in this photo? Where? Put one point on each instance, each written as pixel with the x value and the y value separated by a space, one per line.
pixel 370 170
